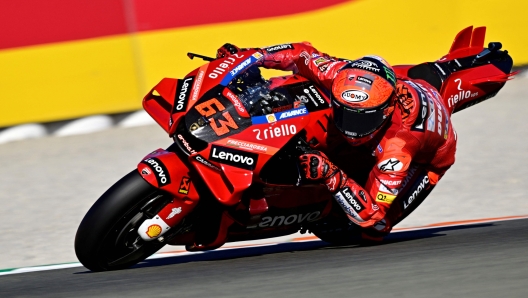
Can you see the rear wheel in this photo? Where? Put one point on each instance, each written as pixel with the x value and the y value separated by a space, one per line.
pixel 107 237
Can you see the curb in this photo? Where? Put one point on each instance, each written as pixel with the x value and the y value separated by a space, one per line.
pixel 77 126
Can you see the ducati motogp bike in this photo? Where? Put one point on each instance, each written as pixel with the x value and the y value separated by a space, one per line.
pixel 232 172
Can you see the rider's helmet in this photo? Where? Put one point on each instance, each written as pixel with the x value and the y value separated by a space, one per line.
pixel 363 96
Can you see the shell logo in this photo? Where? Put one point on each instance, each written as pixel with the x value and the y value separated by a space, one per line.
pixel 153 231
pixel 271 118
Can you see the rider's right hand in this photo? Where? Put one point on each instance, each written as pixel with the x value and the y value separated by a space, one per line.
pixel 226 50
pixel 316 166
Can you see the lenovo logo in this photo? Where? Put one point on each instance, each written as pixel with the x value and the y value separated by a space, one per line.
pixel 182 94
pixel 161 173
pixel 237 158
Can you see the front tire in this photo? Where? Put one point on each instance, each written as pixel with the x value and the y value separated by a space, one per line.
pixel 107 237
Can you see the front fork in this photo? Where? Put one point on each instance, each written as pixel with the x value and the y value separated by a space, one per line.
pixel 164 170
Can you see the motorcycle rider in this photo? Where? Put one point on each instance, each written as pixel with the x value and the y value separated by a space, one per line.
pixel 400 124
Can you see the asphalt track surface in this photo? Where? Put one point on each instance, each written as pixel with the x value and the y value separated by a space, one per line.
pixel 480 260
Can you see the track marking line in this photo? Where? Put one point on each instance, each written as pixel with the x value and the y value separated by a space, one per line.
pixel 175 253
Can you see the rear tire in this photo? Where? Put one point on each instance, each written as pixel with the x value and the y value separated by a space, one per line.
pixel 107 237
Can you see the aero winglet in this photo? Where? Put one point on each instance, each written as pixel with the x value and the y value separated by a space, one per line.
pixel 467 42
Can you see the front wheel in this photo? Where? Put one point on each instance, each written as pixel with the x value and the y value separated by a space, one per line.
pixel 107 237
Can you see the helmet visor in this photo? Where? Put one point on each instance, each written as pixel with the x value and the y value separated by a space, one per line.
pixel 356 123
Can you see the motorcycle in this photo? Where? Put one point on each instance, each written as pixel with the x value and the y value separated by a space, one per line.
pixel 232 172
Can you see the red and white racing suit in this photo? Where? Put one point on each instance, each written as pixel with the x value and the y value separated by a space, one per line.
pixel 404 161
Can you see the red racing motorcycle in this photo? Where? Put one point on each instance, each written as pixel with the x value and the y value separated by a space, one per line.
pixel 232 172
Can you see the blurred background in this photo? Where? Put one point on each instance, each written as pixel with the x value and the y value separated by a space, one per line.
pixel 63 59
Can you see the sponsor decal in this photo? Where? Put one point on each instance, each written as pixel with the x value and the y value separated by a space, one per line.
pixel 297 104
pixel 312 91
pixel 236 158
pixel 420 120
pixel 204 161
pixel 146 171
pixel 423 185
pixel 353 95
pixel 282 220
pixel 153 231
pixel 278 131
pixel 352 199
pixel 320 61
pixel 227 63
pixel 384 188
pixel 282 108
pixel 183 92
pixel 409 176
pixel 306 57
pixel 332 183
pixel 292 113
pixel 362 195
pixel 440 122
pixel 390 165
pixel 188 147
pixel 207 109
pixel 323 67
pixel 349 210
pixel 389 74
pixel 240 67
pixel 364 79
pixel 350 80
pixel 174 212
pixel 380 149
pixel 198 83
pixel 278 48
pixel 461 95
pixel 236 102
pixel 185 185
pixel 246 145
pixel 271 118
pixel 365 64
pixel 160 171
pixel 385 197
pixel 391 182
pixel 431 121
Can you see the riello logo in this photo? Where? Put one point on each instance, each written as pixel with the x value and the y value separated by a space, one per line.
pixel 271 132
pixel 221 68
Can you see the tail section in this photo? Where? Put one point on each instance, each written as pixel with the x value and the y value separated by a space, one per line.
pixel 471 73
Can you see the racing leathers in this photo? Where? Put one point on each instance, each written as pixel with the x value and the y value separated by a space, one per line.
pixel 408 155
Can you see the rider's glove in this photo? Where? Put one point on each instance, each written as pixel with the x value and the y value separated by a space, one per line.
pixel 316 166
pixel 226 50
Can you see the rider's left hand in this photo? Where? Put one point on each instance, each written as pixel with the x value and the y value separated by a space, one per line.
pixel 226 50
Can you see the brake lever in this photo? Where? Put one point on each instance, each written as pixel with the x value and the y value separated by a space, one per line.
pixel 205 58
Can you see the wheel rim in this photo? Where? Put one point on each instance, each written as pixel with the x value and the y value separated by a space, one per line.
pixel 122 245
